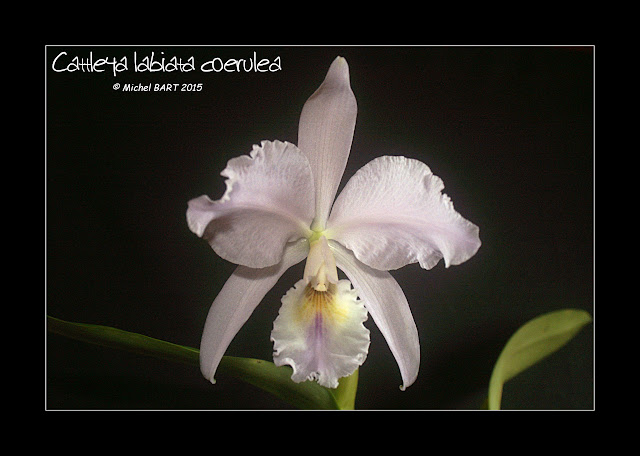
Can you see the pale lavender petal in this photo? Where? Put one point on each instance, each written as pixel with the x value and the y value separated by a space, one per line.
pixel 269 201
pixel 388 306
pixel 392 212
pixel 235 303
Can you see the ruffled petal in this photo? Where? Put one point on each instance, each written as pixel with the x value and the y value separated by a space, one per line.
pixel 392 212
pixel 320 333
pixel 389 309
pixel 235 303
pixel 269 201
pixel 325 133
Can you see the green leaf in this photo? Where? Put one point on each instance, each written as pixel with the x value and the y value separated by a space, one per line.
pixel 531 343
pixel 263 374
pixel 277 381
pixel 123 340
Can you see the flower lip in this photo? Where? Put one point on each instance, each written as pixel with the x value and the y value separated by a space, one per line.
pixel 321 334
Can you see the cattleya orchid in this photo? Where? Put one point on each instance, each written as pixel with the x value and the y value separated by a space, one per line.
pixel 278 209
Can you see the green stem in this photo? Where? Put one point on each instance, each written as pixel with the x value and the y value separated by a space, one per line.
pixel 345 393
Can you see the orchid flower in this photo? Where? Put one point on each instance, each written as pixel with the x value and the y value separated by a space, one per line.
pixel 279 208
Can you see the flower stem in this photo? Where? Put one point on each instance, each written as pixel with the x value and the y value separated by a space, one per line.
pixel 345 393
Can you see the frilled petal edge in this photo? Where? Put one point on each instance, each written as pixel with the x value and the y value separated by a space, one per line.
pixel 389 309
pixel 320 334
pixel 235 303
pixel 392 212
pixel 268 202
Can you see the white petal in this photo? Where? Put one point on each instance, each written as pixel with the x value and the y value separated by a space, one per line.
pixel 389 309
pixel 325 133
pixel 235 303
pixel 269 201
pixel 320 333
pixel 392 212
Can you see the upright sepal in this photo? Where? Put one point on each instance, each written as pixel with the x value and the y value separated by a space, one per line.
pixel 325 133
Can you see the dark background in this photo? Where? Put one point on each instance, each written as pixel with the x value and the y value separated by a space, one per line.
pixel 509 129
